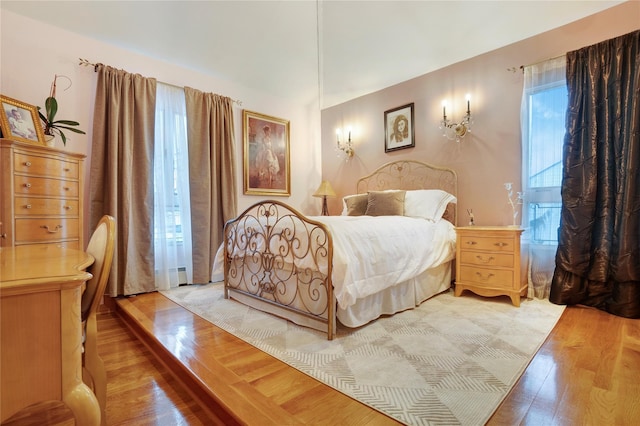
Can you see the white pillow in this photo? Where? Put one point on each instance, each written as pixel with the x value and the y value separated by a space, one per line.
pixel 428 204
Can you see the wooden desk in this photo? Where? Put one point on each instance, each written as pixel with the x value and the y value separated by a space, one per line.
pixel 41 330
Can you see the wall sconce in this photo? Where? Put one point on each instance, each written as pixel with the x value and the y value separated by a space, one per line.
pixel 324 190
pixel 347 146
pixel 456 131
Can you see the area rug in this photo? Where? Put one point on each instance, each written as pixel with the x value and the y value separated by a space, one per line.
pixel 450 361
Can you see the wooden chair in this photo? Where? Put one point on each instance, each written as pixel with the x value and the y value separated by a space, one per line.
pixel 101 247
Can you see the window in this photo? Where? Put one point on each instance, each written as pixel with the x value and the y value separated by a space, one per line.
pixel 172 213
pixel 544 106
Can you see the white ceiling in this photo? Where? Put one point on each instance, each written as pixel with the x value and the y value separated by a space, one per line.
pixel 273 45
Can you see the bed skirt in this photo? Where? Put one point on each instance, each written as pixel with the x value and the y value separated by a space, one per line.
pixel 406 295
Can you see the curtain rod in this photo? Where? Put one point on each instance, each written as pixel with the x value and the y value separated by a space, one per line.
pixel 86 63
pixel 522 67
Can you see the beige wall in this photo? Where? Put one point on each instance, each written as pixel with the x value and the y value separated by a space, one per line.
pixel 491 154
pixel 33 52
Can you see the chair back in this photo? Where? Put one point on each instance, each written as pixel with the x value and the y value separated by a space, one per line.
pixel 101 247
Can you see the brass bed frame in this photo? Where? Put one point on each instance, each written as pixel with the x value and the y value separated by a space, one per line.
pixel 280 261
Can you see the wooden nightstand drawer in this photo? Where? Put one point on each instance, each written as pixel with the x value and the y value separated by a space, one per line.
pixel 502 278
pixel 29 185
pixel 43 166
pixel 486 259
pixel 472 242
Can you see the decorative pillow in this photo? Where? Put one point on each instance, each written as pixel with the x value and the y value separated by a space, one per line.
pixel 385 203
pixel 355 205
pixel 428 204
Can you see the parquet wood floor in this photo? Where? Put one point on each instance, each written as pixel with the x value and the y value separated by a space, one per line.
pixel 585 373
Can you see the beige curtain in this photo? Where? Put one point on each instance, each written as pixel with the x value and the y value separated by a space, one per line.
pixel 211 174
pixel 121 175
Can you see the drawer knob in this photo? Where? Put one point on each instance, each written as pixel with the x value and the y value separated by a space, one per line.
pixel 67 207
pixel 66 188
pixel 67 170
pixel 55 230
pixel 27 206
pixel 27 163
pixel 501 244
pixel 484 277
pixel 471 243
pixel 485 259
pixel 27 185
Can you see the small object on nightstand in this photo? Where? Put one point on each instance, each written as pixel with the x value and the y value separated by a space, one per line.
pixel 470 213
pixel 488 262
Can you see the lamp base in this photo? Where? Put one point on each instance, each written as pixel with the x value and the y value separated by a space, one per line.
pixel 325 209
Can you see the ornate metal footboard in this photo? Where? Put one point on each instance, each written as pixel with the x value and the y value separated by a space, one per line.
pixel 279 261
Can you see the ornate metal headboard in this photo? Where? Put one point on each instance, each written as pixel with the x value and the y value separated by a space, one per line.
pixel 410 174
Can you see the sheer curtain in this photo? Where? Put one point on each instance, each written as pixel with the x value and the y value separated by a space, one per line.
pixel 543 111
pixel 172 212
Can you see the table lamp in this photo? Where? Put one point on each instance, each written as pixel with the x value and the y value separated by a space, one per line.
pixel 325 190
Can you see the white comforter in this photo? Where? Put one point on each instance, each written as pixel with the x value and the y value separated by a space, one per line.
pixel 374 253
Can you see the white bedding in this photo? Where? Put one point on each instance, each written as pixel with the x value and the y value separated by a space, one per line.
pixel 373 253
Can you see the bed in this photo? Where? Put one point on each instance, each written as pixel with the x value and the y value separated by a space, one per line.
pixel 391 249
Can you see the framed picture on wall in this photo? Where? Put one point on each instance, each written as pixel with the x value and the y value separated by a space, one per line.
pixel 266 154
pixel 398 128
pixel 20 121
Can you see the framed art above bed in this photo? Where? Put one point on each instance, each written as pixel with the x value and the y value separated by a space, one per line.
pixel 266 154
pixel 398 128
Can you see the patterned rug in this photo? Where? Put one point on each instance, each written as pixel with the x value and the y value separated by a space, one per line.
pixel 450 361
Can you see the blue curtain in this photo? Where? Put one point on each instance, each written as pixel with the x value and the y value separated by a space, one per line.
pixel 598 257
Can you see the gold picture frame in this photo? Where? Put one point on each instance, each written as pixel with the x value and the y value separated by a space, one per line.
pixel 20 121
pixel 266 154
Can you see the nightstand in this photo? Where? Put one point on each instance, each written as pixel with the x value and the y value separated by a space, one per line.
pixel 488 262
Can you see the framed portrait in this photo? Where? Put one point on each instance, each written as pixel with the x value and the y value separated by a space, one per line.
pixel 266 154
pixel 20 121
pixel 398 128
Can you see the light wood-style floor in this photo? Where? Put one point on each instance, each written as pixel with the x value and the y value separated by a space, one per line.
pixel 586 373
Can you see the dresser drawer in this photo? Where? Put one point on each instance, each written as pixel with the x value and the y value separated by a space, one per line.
pixel 35 165
pixel 28 185
pixel 469 242
pixel 486 277
pixel 47 229
pixel 486 259
pixel 26 206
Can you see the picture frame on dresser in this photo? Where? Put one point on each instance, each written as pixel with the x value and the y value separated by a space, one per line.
pixel 19 121
pixel 399 128
pixel 266 154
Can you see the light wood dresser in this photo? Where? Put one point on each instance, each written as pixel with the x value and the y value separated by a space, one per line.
pixel 42 195
pixel 488 262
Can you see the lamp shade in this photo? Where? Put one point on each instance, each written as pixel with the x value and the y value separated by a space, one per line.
pixel 325 190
